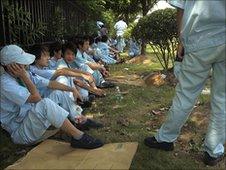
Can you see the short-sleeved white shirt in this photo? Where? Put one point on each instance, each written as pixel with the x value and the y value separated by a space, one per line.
pixel 120 27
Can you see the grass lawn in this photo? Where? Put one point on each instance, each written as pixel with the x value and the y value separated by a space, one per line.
pixel 131 119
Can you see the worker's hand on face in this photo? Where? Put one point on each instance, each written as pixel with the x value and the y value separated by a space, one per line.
pixel 77 95
pixel 180 51
pixel 17 70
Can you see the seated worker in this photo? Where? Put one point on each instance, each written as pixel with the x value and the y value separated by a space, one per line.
pixel 103 31
pixel 134 48
pixel 57 54
pixel 112 42
pixel 24 114
pixel 69 50
pixel 92 50
pixel 57 93
pixel 108 52
pixel 40 67
pixel 92 67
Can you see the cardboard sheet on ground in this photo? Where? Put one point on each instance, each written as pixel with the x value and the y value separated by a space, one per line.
pixel 53 154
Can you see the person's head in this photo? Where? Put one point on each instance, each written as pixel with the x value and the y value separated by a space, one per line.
pixel 91 40
pixel 121 17
pixel 12 54
pixel 57 50
pixel 97 39
pixel 41 53
pixel 104 38
pixel 83 43
pixel 69 51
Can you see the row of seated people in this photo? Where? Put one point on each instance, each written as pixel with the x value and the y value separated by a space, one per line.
pixel 39 92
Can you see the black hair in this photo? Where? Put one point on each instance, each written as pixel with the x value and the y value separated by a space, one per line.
pixel 37 50
pixel 69 46
pixel 104 38
pixel 97 39
pixel 57 46
pixel 91 40
pixel 121 17
pixel 81 40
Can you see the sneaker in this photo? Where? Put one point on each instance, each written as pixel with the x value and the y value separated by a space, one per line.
pixel 89 124
pixel 153 143
pixel 85 104
pixel 86 142
pixel 107 84
pixel 211 161
pixel 91 97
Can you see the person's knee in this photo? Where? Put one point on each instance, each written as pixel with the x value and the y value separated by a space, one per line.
pixel 57 93
pixel 46 102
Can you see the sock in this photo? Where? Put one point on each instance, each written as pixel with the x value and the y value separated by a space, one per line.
pixel 78 137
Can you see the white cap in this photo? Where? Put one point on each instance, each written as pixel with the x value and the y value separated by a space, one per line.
pixel 99 24
pixel 14 54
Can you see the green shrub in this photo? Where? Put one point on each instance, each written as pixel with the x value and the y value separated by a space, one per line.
pixel 128 32
pixel 159 29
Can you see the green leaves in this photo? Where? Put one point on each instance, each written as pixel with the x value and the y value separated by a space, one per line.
pixel 21 28
pixel 57 24
pixel 159 29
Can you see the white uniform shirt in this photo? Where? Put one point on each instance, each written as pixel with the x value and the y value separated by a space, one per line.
pixel 120 27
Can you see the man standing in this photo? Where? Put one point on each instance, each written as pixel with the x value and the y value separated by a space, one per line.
pixel 120 28
pixel 202 31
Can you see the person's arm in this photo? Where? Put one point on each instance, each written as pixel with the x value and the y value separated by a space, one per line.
pixel 71 72
pixel 66 72
pixel 19 71
pixel 180 50
pixel 95 66
pixel 180 5
pixel 113 50
pixel 59 86
pixel 96 91
pixel 180 13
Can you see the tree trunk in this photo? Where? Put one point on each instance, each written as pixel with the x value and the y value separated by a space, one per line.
pixel 145 9
pixel 143 48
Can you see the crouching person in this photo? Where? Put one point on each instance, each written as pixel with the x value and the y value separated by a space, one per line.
pixel 24 114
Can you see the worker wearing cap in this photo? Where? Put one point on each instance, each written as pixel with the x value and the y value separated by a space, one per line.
pixel 24 114
pixel 202 31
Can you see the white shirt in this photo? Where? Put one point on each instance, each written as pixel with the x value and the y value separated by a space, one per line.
pixel 120 27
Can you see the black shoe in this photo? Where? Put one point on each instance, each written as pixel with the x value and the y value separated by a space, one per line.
pixel 85 104
pixel 211 161
pixel 107 84
pixel 89 124
pixel 152 143
pixel 86 142
pixel 92 97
